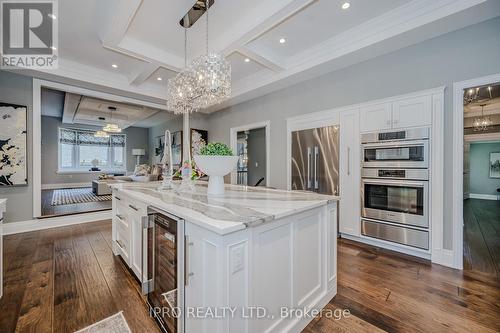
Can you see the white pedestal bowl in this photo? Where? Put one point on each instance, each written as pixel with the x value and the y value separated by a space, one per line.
pixel 216 167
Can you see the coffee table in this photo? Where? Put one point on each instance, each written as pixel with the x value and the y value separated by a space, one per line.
pixel 101 187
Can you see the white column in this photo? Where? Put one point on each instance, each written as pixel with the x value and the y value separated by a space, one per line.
pixel 186 139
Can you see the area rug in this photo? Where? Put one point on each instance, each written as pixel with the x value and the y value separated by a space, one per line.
pixel 114 324
pixel 76 195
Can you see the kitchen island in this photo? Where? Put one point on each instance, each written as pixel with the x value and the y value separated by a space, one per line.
pixel 251 261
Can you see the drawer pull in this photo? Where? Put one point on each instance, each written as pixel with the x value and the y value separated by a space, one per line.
pixel 120 217
pixel 134 208
pixel 121 245
pixel 117 198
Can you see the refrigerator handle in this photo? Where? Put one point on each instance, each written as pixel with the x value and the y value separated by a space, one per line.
pixel 309 155
pixel 348 161
pixel 316 157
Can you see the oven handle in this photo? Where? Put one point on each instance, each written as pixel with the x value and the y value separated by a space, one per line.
pixel 395 182
pixel 398 144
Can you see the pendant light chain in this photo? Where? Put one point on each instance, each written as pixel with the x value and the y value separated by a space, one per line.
pixel 206 12
pixel 185 48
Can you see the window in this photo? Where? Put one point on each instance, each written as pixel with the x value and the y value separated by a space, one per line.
pixel 78 148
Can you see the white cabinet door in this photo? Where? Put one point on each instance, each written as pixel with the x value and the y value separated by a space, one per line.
pixel 376 117
pixel 349 222
pixel 412 112
pixel 139 248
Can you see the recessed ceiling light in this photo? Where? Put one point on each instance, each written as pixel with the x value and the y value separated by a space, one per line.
pixel 114 65
pixel 52 16
pixel 247 60
pixel 159 78
pixel 282 40
pixel 346 5
pixel 53 48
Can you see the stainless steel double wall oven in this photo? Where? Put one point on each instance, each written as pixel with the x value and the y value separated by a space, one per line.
pixel 395 186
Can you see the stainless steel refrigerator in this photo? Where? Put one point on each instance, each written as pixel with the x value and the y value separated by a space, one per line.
pixel 315 160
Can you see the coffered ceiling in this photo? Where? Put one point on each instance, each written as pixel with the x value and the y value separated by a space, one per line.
pixel 144 40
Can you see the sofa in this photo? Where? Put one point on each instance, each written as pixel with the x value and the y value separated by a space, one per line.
pixel 143 173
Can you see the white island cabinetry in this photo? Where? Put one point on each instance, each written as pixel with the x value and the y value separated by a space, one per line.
pixel 283 256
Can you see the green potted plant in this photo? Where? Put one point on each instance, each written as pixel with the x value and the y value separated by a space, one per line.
pixel 216 160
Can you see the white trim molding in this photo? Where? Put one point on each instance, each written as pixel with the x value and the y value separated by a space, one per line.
pixel 65 185
pixel 233 140
pixel 37 127
pixel 484 196
pixel 458 159
pixel 54 222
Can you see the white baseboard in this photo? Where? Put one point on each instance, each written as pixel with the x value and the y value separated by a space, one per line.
pixel 484 196
pixel 54 222
pixel 65 185
pixel 444 257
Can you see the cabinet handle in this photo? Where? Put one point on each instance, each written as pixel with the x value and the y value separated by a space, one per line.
pixel 134 208
pixel 348 161
pixel 120 244
pixel 120 216
pixel 187 274
pixel 309 156
pixel 316 160
pixel 117 198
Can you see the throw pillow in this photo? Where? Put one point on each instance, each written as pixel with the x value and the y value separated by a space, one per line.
pixel 142 170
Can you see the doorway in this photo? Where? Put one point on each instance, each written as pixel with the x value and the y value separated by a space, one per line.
pixel 481 180
pixel 251 143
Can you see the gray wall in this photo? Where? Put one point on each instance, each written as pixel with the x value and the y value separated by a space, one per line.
pixel 256 147
pixel 480 181
pixel 460 55
pixel 174 123
pixel 17 89
pixel 136 138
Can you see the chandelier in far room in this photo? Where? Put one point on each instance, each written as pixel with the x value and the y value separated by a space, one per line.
pixel 206 81
pixel 481 123
pixel 111 127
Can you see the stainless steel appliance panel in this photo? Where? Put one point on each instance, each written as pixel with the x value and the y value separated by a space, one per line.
pixel 413 174
pixel 407 236
pixel 409 134
pixel 399 201
pixel 165 266
pixel 315 160
pixel 403 154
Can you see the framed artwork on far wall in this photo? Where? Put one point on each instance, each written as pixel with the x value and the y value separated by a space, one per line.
pixel 13 166
pixel 495 165
pixel 177 149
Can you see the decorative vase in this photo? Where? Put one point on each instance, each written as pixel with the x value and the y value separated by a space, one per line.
pixel 216 167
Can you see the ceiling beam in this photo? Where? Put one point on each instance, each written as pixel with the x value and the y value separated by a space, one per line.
pixel 265 60
pixel 144 73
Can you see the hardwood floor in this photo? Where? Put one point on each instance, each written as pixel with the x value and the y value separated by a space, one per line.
pixel 49 211
pixel 389 292
pixel 482 237
pixel 64 279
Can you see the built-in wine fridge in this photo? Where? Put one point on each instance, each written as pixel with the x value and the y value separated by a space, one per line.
pixel 164 265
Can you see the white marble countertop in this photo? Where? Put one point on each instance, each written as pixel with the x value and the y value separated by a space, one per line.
pixel 240 207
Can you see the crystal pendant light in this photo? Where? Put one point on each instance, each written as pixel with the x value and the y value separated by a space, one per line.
pixel 482 123
pixel 213 76
pixel 101 134
pixel 111 127
pixel 181 90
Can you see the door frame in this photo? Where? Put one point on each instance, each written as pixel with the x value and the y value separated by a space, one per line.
pixel 36 142
pixel 233 139
pixel 458 160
